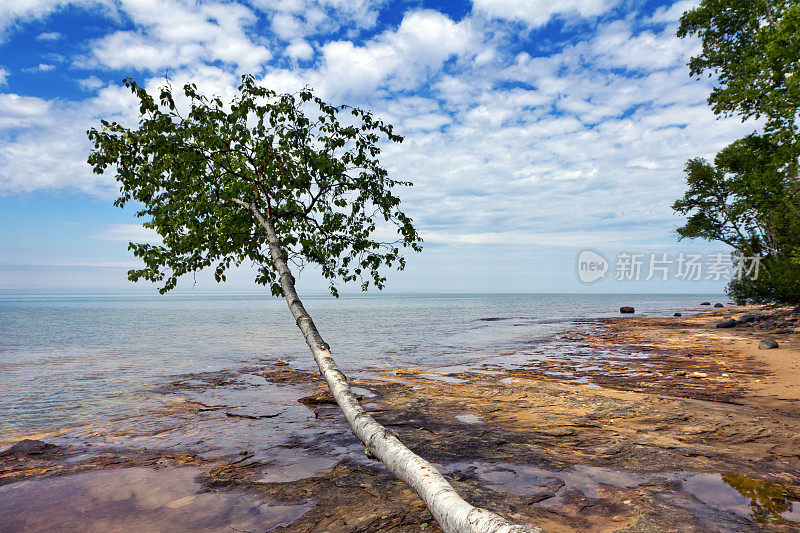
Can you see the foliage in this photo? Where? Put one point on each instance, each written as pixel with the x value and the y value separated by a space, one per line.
pixel 311 168
pixel 778 281
pixel 753 49
pixel 734 200
pixel 749 198
pixel 744 200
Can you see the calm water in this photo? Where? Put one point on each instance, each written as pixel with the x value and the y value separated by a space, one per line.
pixel 70 359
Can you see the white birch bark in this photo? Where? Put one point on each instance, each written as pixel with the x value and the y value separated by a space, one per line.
pixel 453 514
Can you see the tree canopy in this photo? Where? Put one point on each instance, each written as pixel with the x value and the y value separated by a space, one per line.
pixel 752 47
pixel 310 167
pixel 733 200
pixel 749 198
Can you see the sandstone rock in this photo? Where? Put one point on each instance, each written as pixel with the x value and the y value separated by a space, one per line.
pixel 557 432
pixel 698 375
pixel 767 343
pixel 318 398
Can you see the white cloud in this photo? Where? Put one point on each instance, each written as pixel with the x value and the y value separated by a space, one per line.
pixel 298 19
pixel 673 13
pixel 585 144
pixel 539 12
pixel 49 36
pixel 617 46
pixel 26 111
pixel 91 83
pixel 13 12
pixel 41 67
pixel 29 124
pixel 401 59
pixel 3 76
pixel 192 33
pixel 300 49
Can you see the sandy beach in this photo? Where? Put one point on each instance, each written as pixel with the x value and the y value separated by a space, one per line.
pixel 630 424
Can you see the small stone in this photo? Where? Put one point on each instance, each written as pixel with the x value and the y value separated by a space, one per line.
pixel 767 343
pixel 680 373
pixel 727 323
pixel 626 309
pixel 698 375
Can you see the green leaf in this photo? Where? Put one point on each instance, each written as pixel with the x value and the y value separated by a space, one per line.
pixel 319 182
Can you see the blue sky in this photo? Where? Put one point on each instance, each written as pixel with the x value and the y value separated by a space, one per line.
pixel 534 128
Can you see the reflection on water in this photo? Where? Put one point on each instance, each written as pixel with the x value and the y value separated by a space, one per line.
pixel 526 480
pixel 760 500
pixel 136 499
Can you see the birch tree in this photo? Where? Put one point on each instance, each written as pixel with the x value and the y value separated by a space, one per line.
pixel 277 181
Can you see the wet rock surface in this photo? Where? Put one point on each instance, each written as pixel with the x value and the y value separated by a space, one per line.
pixel 602 429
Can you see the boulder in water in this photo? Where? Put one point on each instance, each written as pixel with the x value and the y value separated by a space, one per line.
pixel 706 303
pixel 677 314
pixel 626 309
pixel 718 305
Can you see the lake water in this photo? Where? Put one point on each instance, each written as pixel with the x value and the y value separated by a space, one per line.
pixel 76 359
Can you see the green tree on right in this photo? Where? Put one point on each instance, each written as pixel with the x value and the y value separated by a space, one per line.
pixel 749 197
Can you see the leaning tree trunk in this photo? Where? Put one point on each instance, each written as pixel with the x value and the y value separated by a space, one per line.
pixel 452 513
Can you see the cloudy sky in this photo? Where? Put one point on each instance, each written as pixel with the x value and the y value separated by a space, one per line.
pixel 534 128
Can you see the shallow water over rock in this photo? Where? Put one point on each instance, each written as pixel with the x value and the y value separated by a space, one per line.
pixel 759 500
pixel 137 499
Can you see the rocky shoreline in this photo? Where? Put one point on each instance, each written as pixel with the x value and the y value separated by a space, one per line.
pixel 626 424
